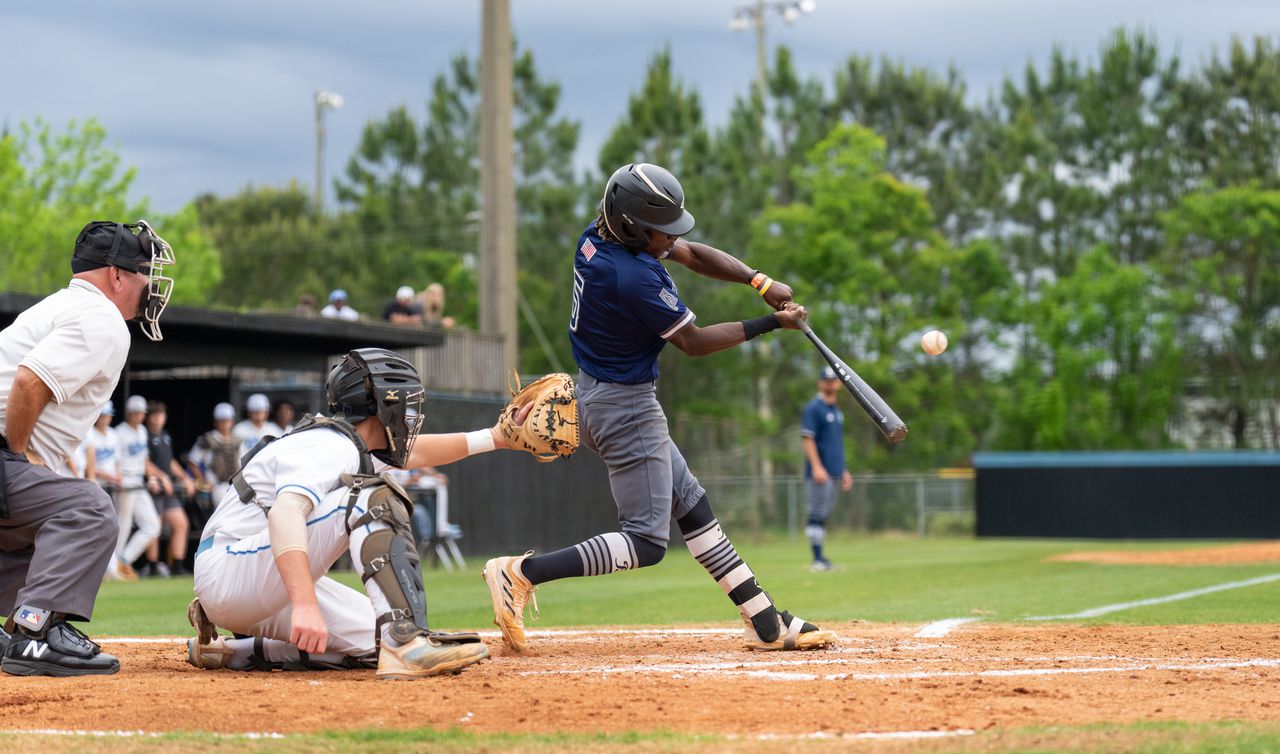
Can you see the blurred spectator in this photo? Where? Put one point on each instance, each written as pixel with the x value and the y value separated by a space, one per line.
pixel 283 415
pixel 337 308
pixel 135 503
pixel 306 306
pixel 432 301
pixel 101 464
pixel 254 428
pixel 215 457
pixel 170 479
pixel 403 310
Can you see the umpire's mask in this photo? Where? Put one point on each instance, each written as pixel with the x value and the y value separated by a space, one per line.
pixel 135 247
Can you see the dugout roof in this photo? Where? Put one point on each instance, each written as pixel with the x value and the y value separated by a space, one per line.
pixel 195 336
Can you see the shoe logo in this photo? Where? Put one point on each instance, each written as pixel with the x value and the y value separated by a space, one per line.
pixel 35 650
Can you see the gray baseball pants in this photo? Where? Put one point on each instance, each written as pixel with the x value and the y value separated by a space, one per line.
pixel 650 479
pixel 56 536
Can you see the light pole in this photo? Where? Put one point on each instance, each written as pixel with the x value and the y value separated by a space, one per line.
pixel 324 101
pixel 755 16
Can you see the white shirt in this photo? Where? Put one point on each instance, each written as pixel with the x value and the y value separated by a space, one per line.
pixel 131 444
pixel 308 463
pixel 76 342
pixel 248 434
pixel 103 447
pixel 346 312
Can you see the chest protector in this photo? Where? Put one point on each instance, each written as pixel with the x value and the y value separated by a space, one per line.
pixel 312 421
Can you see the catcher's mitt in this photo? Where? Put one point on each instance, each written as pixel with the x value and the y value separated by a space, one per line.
pixel 551 429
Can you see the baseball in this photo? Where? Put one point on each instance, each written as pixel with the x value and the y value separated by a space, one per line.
pixel 934 342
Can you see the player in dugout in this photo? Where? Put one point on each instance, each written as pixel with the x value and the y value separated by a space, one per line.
pixel 625 310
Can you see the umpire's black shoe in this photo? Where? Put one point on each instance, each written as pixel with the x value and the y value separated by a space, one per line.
pixel 63 650
pixel 4 641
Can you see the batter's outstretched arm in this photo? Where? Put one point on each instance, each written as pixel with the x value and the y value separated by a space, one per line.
pixel 711 262
pixel 702 341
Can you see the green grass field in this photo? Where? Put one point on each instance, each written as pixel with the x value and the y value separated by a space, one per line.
pixel 881 579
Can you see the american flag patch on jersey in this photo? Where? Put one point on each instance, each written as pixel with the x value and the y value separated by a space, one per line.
pixel 588 249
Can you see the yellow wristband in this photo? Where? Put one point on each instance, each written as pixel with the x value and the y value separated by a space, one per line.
pixel 765 288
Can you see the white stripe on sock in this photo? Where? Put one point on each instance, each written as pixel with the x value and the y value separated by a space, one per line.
pixel 705 541
pixel 735 577
pixel 755 605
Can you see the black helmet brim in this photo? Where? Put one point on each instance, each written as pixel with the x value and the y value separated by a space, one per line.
pixel 677 227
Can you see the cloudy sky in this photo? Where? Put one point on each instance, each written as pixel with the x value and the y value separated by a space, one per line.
pixel 214 96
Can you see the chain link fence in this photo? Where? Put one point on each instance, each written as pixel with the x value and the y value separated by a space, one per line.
pixel 926 504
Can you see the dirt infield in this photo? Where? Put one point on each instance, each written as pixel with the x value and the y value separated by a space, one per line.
pixel 1253 552
pixel 880 679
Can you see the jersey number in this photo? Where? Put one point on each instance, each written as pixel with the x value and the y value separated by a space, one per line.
pixel 578 284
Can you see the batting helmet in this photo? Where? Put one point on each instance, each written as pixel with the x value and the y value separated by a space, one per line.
pixel 640 197
pixel 377 382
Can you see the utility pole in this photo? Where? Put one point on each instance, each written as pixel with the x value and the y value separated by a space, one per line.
pixel 324 101
pixel 497 182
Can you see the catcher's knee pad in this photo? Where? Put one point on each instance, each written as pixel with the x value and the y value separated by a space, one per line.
pixel 390 557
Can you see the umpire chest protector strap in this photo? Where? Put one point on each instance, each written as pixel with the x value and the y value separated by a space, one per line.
pixel 313 421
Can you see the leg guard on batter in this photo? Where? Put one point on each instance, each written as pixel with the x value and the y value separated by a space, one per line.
pixel 389 556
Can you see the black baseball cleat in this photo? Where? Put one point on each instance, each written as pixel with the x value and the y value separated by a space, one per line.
pixel 4 641
pixel 61 650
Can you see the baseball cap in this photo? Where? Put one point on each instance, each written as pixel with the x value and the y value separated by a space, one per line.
pixel 109 409
pixel 337 295
pixel 102 243
pixel 135 404
pixel 404 291
pixel 224 411
pixel 258 402
pixel 828 374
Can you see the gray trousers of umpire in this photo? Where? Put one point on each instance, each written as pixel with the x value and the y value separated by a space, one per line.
pixel 55 540
pixel 626 427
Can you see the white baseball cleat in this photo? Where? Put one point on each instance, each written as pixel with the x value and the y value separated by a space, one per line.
pixel 426 656
pixel 793 633
pixel 510 591
pixel 212 655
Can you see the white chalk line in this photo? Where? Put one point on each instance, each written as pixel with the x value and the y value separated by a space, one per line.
pixel 941 628
pixel 554 633
pixel 870 734
pixel 758 670
pixel 132 733
pixel 819 735
pixel 1105 609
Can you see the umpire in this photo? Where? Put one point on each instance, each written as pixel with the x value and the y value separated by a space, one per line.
pixel 60 361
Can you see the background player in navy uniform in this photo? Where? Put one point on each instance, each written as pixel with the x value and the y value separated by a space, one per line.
pixel 625 310
pixel 822 434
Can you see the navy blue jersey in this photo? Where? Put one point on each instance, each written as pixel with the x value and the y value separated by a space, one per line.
pixel 625 306
pixel 825 424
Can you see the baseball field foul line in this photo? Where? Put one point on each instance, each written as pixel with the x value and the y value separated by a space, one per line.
pixel 941 628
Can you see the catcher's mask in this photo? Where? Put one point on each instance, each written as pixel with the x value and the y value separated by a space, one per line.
pixel 134 247
pixel 377 382
pixel 640 197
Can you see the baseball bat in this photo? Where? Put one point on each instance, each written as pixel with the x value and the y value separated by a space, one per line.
pixel 893 428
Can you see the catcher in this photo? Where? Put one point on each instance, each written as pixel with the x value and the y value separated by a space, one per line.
pixel 297 503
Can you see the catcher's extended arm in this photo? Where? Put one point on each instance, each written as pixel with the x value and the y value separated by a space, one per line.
pixel 550 431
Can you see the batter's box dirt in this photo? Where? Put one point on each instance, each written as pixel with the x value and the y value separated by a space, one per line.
pixel 880 679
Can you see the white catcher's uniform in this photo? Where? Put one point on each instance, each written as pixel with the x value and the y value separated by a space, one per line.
pixel 236 578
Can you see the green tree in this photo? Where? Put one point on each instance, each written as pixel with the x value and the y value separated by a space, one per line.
pixel 1104 370
pixel 53 183
pixel 1224 256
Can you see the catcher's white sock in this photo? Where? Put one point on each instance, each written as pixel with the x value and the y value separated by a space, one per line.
pixel 380 604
